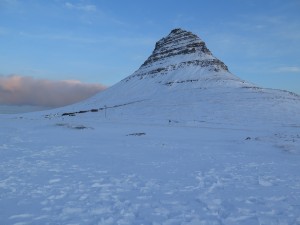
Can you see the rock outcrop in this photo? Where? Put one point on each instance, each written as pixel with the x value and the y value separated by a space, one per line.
pixel 180 49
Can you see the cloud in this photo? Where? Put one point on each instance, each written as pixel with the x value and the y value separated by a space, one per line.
pixel 124 41
pixel 61 37
pixel 288 69
pixel 10 2
pixel 25 90
pixel 86 8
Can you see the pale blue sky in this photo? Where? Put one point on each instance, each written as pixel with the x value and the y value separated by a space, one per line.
pixel 101 41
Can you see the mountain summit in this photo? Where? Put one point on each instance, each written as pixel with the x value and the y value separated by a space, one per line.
pixel 184 52
pixel 180 60
pixel 181 49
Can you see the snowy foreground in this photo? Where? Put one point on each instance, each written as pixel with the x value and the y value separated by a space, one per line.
pixel 82 170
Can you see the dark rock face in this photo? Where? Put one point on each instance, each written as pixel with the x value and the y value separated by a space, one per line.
pixel 214 65
pixel 178 42
pixel 178 50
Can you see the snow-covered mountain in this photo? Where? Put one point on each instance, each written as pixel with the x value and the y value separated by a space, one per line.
pixel 180 141
pixel 182 80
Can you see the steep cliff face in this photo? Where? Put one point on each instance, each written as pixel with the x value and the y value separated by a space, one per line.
pixel 185 52
pixel 181 43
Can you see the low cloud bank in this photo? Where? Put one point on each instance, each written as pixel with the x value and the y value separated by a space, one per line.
pixel 25 90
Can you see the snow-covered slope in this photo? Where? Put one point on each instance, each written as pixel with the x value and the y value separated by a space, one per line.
pixel 183 81
pixel 180 141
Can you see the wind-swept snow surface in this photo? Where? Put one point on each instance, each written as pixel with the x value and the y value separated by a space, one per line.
pixel 84 171
pixel 181 141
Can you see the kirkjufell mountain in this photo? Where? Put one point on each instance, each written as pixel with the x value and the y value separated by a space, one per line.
pixel 174 54
pixel 182 80
pixel 180 141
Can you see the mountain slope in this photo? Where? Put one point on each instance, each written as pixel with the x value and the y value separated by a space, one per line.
pixel 182 80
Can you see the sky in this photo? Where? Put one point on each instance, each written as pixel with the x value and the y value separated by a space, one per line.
pixel 96 43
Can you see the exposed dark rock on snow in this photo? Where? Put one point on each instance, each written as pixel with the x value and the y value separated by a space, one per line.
pixel 75 127
pixel 178 42
pixel 96 110
pixel 168 51
pixel 136 134
pixel 180 82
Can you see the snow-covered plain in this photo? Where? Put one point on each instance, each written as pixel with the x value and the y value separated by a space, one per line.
pixel 88 169
pixel 191 145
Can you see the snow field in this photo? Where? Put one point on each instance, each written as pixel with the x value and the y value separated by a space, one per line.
pixel 173 174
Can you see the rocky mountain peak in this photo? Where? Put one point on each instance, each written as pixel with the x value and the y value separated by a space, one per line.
pixel 178 42
pixel 178 50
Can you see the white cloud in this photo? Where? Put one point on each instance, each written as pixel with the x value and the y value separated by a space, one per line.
pixel 24 90
pixel 288 69
pixel 124 41
pixel 61 37
pixel 10 2
pixel 86 8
